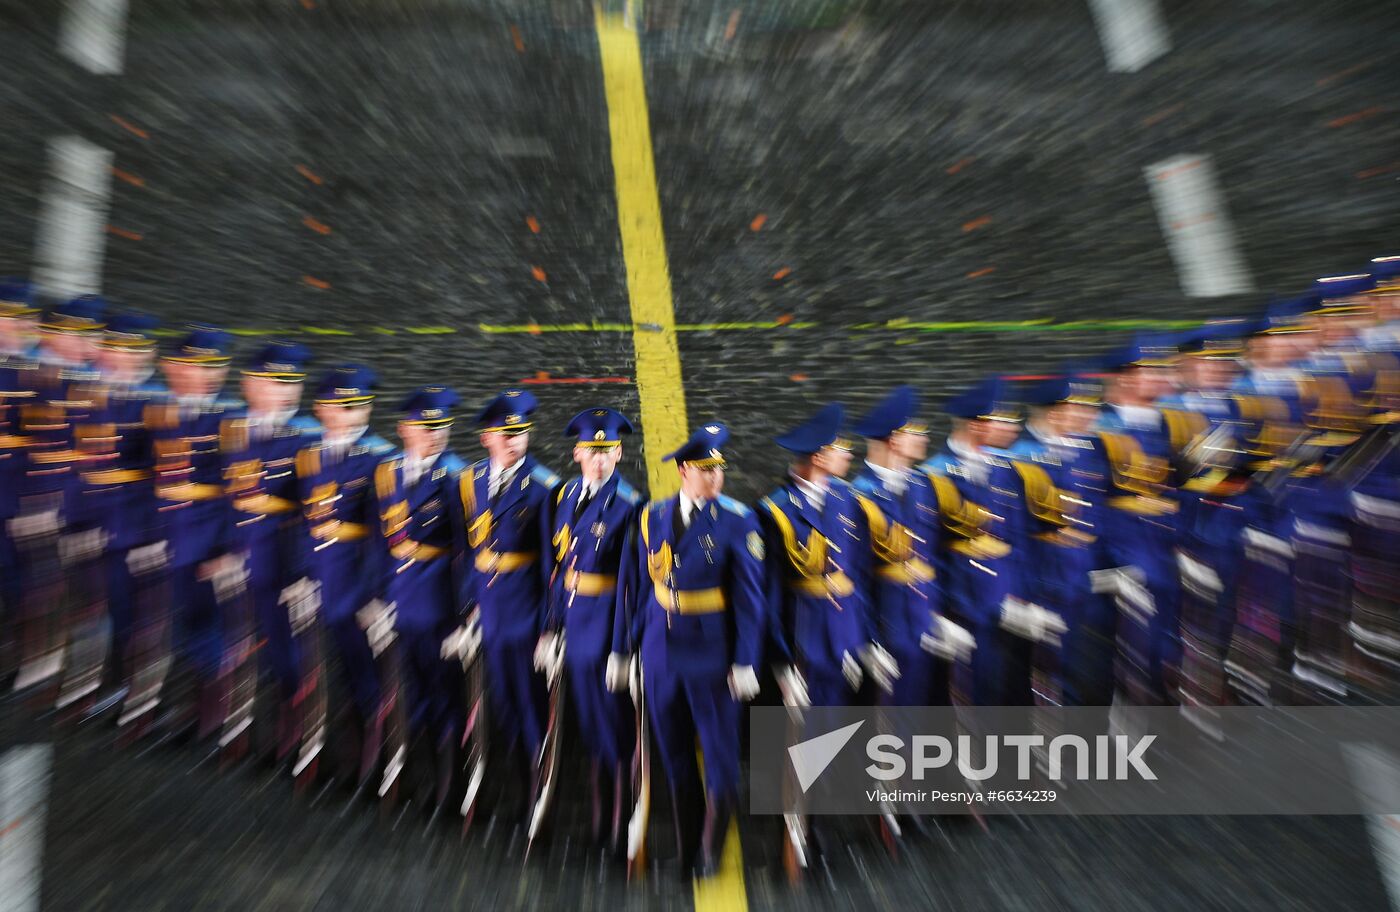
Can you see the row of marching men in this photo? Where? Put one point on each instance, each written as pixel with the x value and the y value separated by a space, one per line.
pixel 1203 519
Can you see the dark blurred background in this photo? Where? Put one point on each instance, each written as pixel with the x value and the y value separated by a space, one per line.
pixel 426 186
pixel 388 178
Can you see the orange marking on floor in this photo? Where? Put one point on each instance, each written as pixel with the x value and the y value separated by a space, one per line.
pixel 12 826
pixel 958 165
pixel 316 225
pixel 533 224
pixel 1376 172
pixel 517 39
pixel 782 273
pixel 128 177
pixel 981 221
pixel 984 271
pixel 758 222
pixel 129 127
pixel 309 175
pixel 308 4
pixel 538 273
pixel 798 378
pixel 123 233
pixel 732 27
pixel 1343 74
pixel 534 329
pixel 1353 118
pixel 314 282
pixel 784 319
pixel 1154 119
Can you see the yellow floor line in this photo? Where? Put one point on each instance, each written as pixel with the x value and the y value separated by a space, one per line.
pixel 658 371
pixel 644 251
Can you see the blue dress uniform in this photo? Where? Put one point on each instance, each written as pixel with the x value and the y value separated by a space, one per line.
pixel 1206 435
pixel 818 562
pixel 194 505
pixel 981 502
pixel 697 611
pixel 1063 546
pixel 509 544
pixel 421 528
pixel 593 536
pixel 1337 388
pixel 62 398
pixel 118 490
pixel 259 454
pixel 1140 529
pixel 335 481
pixel 16 368
pixel 1271 410
pixel 905 592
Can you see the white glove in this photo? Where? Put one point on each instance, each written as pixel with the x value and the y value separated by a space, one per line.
pixel 851 669
pixel 228 574
pixel 376 619
pixel 33 525
pixel 549 655
pixel 148 557
pixel 76 547
pixel 617 677
pixel 743 682
pixel 1125 584
pixel 463 643
pixel 948 641
pixel 1030 621
pixel 792 687
pixel 880 665
pixel 303 600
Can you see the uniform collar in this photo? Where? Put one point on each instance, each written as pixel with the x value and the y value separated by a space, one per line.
pixel 815 493
pixel 1139 417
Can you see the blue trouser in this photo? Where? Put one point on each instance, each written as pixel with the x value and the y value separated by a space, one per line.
pixel 433 686
pixel 10 586
pixel 357 663
pixel 827 686
pixel 198 632
pixel 684 709
pixel 267 577
pixel 341 570
pixel 923 678
pixel 519 699
pixel 604 718
pixel 121 606
pixel 1000 671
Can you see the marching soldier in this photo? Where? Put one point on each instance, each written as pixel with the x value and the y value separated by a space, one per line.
pixel 903 515
pixel 1212 482
pixel 1372 474
pixel 1341 379
pixel 193 501
pixel 19 331
pixel 989 588
pixel 56 540
pixel 697 622
pixel 1270 400
pixel 507 500
pixel 118 490
pixel 422 588
pixel 259 451
pixel 594 519
pixel 335 478
pixel 817 565
pixel 1139 519
pixel 1050 455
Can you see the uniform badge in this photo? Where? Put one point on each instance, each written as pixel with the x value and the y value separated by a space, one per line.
pixel 756 545
pixel 439 474
pixel 598 530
